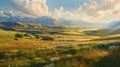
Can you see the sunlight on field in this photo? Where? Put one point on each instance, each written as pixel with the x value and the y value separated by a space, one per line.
pixel 6 36
pixel 94 54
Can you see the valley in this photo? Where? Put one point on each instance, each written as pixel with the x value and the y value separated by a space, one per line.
pixel 41 45
pixel 59 33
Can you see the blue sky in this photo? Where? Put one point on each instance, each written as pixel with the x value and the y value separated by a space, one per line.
pixel 52 4
pixel 67 4
pixel 4 5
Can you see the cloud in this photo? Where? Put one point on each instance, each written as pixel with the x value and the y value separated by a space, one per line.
pixel 103 11
pixel 6 14
pixel 34 8
pixel 57 13
pixel 1 13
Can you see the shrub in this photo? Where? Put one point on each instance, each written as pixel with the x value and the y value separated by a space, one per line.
pixel 16 38
pixel 2 55
pixel 37 36
pixel 26 34
pixel 47 38
pixel 37 62
pixel 72 51
pixel 18 35
pixel 26 54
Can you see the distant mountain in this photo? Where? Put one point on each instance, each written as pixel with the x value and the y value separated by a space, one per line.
pixel 75 23
pixel 42 20
pixel 47 21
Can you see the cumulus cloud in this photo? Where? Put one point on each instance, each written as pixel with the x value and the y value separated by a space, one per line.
pixel 61 13
pixel 104 11
pixel 1 13
pixel 57 13
pixel 6 14
pixel 34 8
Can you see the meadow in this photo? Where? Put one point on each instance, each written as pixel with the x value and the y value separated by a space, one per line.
pixel 80 55
pixel 44 46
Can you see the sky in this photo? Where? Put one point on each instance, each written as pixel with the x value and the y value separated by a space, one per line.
pixel 52 4
pixel 85 10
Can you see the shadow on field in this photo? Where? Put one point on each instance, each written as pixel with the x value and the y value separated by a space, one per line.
pixel 113 60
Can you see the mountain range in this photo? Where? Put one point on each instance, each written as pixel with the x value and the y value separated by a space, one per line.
pixel 47 21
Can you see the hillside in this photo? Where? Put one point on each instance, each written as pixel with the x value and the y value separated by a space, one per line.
pixel 104 31
pixel 6 36
pixel 24 26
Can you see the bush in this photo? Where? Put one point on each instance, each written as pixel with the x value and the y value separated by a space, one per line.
pixel 26 34
pixel 2 55
pixel 37 62
pixel 37 36
pixel 18 35
pixel 73 51
pixel 26 54
pixel 16 38
pixel 47 38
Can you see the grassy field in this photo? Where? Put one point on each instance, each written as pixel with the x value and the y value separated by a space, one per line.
pixel 66 37
pixel 68 45
pixel 80 55
pixel 6 35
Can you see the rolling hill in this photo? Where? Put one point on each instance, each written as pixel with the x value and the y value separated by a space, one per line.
pixel 58 27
